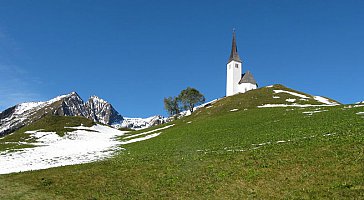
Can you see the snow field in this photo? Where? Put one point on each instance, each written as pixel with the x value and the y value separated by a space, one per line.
pixel 324 101
pixel 313 112
pixel 291 93
pixel 292 105
pixel 84 145
pixel 148 132
pixel 80 146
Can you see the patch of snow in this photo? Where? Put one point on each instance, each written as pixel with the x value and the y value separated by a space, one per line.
pixel 4 127
pixel 189 122
pixel 234 110
pixel 58 98
pixel 269 86
pixel 140 123
pixel 23 107
pixel 148 132
pixel 141 139
pixel 45 137
pixel 276 97
pixel 97 100
pixel 261 144
pixel 76 147
pixel 292 93
pixel 293 105
pixel 324 100
pixel 360 113
pixel 81 128
pixel 291 100
pixel 312 112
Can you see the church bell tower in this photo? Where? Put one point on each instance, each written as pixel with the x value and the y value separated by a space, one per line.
pixel 233 70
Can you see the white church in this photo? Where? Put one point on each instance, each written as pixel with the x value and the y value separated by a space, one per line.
pixel 236 82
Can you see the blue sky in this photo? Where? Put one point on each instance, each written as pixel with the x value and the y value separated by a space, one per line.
pixel 135 53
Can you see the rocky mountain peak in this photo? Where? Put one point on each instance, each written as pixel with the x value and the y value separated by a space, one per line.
pixel 70 104
pixel 95 98
pixel 102 111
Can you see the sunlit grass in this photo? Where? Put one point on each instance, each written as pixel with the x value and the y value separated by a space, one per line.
pixel 262 153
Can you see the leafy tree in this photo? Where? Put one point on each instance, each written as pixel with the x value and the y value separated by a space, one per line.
pixel 171 104
pixel 190 97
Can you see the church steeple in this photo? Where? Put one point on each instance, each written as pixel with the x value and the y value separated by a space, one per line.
pixel 234 50
pixel 236 82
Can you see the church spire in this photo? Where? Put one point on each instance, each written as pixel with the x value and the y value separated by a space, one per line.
pixel 234 50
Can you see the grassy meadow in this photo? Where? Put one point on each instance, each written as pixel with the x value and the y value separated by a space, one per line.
pixel 221 153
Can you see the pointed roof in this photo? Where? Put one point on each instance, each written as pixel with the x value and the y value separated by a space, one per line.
pixel 234 50
pixel 247 78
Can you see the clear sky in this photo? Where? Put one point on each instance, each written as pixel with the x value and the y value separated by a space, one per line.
pixel 134 53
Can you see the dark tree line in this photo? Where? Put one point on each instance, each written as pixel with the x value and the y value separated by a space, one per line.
pixel 186 100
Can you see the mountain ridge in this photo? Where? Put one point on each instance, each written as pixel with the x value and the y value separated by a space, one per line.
pixel 71 104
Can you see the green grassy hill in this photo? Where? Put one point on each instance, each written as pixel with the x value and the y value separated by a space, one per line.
pixel 230 149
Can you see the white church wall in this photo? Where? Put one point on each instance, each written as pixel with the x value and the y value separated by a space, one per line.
pixel 233 76
pixel 244 87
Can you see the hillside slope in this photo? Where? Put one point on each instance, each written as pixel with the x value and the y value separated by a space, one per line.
pixel 230 149
pixel 274 96
pixel 55 141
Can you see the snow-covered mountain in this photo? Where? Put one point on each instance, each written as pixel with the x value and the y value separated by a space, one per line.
pixel 141 123
pixel 101 111
pixel 23 114
pixel 70 104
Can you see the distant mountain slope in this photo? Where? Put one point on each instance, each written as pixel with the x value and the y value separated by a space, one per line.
pixel 141 123
pixel 102 111
pixel 71 104
pixel 66 105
